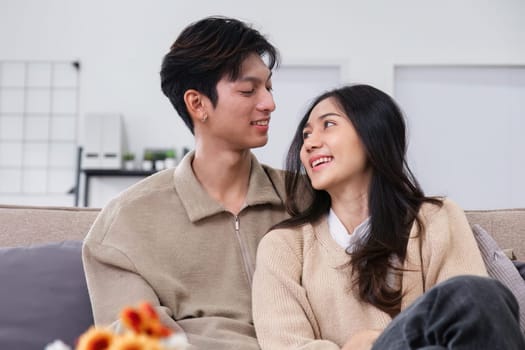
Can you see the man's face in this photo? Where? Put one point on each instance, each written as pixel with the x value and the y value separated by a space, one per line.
pixel 241 118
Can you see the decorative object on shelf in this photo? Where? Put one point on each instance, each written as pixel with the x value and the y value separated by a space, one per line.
pixel 103 140
pixel 143 331
pixel 147 160
pixel 162 158
pixel 159 156
pixel 129 161
pixel 171 159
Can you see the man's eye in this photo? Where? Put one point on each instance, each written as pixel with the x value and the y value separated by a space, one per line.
pixel 247 92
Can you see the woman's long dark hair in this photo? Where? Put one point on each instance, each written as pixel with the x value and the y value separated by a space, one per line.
pixel 394 199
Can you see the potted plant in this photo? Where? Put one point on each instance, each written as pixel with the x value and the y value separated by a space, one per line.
pixel 158 157
pixel 171 158
pixel 147 160
pixel 129 160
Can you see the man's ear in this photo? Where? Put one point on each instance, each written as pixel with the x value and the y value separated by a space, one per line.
pixel 195 104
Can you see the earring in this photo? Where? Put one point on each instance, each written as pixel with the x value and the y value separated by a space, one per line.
pixel 203 119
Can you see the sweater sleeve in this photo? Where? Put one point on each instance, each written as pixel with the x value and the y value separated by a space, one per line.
pixel 283 317
pixel 113 281
pixel 451 248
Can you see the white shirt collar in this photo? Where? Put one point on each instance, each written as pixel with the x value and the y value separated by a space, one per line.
pixel 341 235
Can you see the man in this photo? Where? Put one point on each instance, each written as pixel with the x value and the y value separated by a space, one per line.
pixel 185 239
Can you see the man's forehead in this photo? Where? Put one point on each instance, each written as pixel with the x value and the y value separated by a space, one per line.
pixel 253 67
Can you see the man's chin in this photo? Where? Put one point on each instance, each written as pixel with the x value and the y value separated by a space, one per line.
pixel 260 144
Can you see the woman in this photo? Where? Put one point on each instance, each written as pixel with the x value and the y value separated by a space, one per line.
pixel 368 243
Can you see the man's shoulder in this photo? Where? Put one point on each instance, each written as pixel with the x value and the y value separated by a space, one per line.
pixel 146 196
pixel 160 183
pixel 276 176
pixel 273 173
pixel 139 205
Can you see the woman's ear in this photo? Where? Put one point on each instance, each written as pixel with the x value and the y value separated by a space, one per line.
pixel 195 105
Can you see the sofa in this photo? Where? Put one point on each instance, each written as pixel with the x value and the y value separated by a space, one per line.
pixel 43 293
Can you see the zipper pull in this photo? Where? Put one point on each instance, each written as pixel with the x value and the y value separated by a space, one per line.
pixel 237 228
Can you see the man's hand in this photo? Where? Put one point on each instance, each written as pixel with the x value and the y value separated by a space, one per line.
pixel 362 340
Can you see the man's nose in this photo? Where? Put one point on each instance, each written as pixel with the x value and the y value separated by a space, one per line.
pixel 267 103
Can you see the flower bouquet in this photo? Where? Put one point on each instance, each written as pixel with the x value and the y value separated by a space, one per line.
pixel 144 331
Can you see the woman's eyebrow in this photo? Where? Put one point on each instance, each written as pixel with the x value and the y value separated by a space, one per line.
pixel 329 114
pixel 321 117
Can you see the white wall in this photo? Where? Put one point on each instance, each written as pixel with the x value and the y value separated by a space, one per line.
pixel 120 43
pixel 466 126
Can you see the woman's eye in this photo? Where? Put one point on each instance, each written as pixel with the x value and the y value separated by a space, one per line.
pixel 305 135
pixel 328 124
pixel 269 88
pixel 247 92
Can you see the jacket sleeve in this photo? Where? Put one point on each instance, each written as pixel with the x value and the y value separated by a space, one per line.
pixel 113 280
pixel 283 317
pixel 450 248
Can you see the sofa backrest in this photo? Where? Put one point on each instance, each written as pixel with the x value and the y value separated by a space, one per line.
pixel 506 226
pixel 24 225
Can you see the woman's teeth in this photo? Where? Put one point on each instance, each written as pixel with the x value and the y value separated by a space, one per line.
pixel 321 160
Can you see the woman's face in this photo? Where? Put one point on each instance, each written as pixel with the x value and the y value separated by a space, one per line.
pixel 332 152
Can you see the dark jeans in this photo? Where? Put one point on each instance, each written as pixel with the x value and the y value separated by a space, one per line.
pixel 465 312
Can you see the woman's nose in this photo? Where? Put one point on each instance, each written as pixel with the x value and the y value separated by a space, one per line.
pixel 312 142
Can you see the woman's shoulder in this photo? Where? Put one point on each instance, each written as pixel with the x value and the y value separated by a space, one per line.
pixel 445 208
pixel 295 239
pixel 287 235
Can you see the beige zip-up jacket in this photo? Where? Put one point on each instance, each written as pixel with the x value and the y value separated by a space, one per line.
pixel 165 240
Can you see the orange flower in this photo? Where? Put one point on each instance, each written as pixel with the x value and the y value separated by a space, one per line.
pixel 144 320
pixel 146 332
pixel 95 339
pixel 131 341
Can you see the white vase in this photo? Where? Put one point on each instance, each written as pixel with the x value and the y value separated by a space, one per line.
pixel 159 164
pixel 169 163
pixel 147 165
pixel 129 165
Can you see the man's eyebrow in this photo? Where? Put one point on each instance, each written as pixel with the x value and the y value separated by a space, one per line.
pixel 255 79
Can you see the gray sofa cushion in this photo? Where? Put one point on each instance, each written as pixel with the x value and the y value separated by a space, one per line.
pixel 43 295
pixel 520 265
pixel 500 267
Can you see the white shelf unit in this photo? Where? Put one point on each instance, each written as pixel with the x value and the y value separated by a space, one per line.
pixel 38 127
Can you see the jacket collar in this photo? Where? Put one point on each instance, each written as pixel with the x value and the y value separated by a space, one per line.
pixel 199 204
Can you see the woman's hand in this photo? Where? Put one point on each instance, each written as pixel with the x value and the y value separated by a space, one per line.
pixel 362 340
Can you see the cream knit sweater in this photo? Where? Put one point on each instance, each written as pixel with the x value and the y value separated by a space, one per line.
pixel 302 300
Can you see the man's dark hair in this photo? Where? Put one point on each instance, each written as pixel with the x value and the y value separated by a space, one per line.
pixel 205 52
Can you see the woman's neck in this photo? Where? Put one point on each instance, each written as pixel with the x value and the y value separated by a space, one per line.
pixel 351 209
